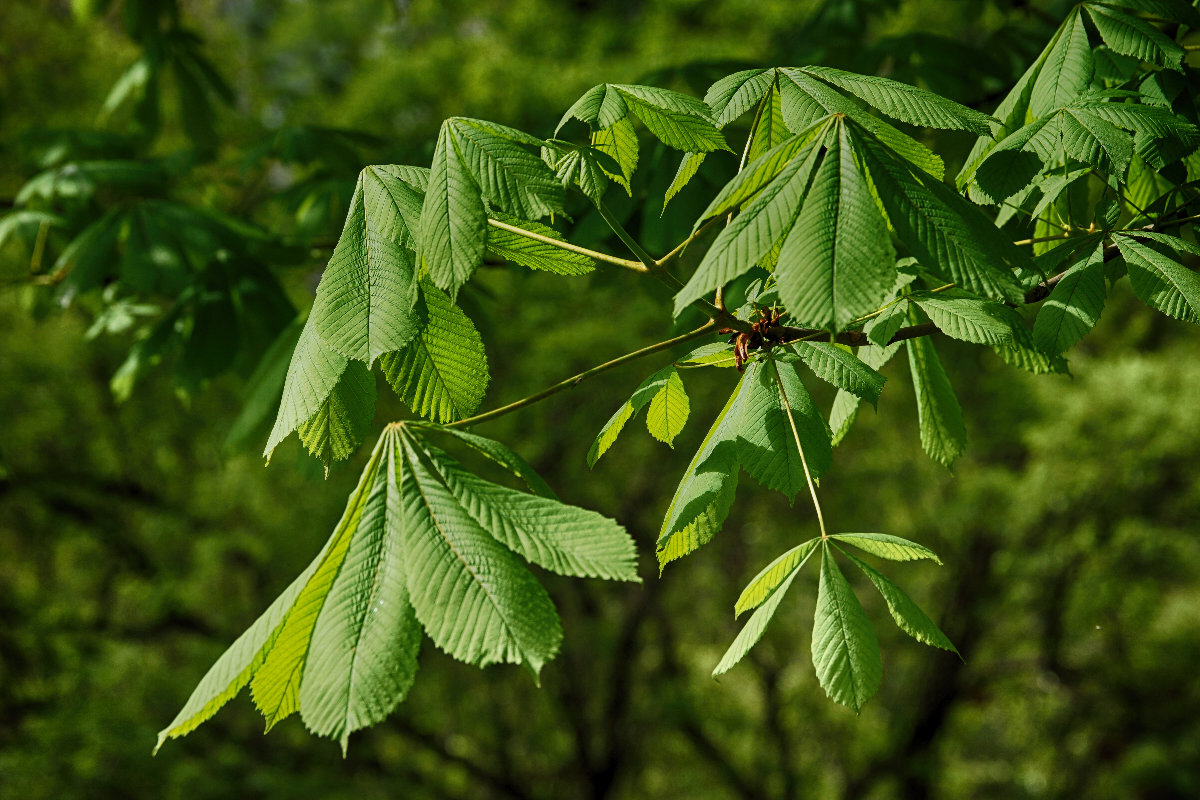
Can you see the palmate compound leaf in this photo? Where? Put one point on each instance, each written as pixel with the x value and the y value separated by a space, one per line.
pixel 422 543
pixel 908 615
pixel 943 432
pixel 845 651
pixel 443 373
pixel 474 161
pixel 366 301
pixel 329 398
pixel 1074 305
pixel 1160 281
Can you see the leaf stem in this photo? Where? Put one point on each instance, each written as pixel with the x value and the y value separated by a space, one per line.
pixel 812 489
pixel 575 380
pixel 574 248
pixel 650 264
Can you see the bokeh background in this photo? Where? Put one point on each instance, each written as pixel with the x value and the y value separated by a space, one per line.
pixel 138 537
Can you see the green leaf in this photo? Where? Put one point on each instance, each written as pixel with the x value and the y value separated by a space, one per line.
pixel 276 683
pixel 547 532
pixel 645 392
pixel 880 329
pixel 841 368
pixel 838 262
pixel 970 319
pixel 365 303
pixel 943 433
pixel 689 165
pixel 473 597
pixel 908 615
pixel 754 628
pixel 677 120
pixel 343 419
pixel 620 142
pixel 949 236
pixel 1090 138
pixel 1067 71
pixel 577 167
pixel 768 579
pixel 362 658
pixel 887 546
pixel 705 493
pixel 777 410
pixel 1161 282
pixel 669 409
pixel 443 373
pixel 906 103
pixel 717 354
pixel 1074 305
pixel 499 453
pixel 753 232
pixel 734 95
pixel 1131 36
pixel 532 253
pixel 845 651
pixel 453 220
pixel 313 375
pixel 769 130
pixel 508 175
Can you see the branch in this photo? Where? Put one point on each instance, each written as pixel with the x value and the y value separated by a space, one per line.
pixel 569 383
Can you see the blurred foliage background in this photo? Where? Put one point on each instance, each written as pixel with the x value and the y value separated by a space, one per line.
pixel 140 536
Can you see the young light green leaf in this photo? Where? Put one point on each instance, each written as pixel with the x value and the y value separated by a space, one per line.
pixel 689 165
pixel 777 410
pixel 473 597
pixel 845 651
pixel 669 408
pixel 838 262
pixel 943 433
pixel 906 103
pixel 443 373
pixel 620 142
pixel 313 372
pixel 645 392
pixel 677 120
pixel 1161 282
pixel 508 175
pixel 1074 305
pixel 775 573
pixel 881 328
pixel 717 354
pixel 887 546
pixel 841 368
pixel 907 614
pixel 705 493
pixel 754 628
pixel 734 95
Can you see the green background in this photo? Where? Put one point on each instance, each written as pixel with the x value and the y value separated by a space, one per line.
pixel 137 542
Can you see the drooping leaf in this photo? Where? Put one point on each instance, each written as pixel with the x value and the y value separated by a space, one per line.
pixel 669 409
pixel 675 119
pixel 473 597
pixel 842 369
pixel 343 418
pixel 619 141
pixel 845 651
pixel 845 405
pixel 908 615
pixel 453 218
pixel 499 453
pixel 443 373
pixel 775 573
pixel 777 411
pixel 970 319
pixel 887 546
pixel 943 433
pixel 755 627
pixel 1131 36
pixel 1074 305
pixel 769 130
pixel 689 165
pixel 881 328
pixel 1161 282
pixel 549 533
